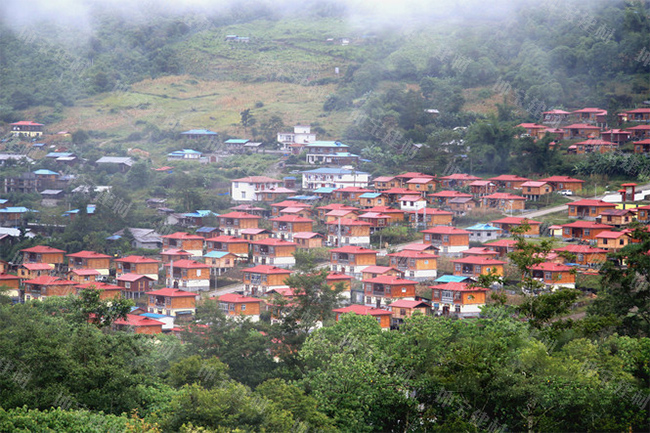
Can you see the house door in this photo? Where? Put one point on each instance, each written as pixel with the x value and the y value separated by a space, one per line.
pixel 263 260
pixel 445 311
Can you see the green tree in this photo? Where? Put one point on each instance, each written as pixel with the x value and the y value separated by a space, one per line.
pixel 88 307
pixel 247 119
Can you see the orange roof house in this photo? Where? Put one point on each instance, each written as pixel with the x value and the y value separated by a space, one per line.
pixel 234 305
pixel 385 182
pixel 564 182
pixel 193 244
pixel 379 271
pixel 335 214
pixel 260 279
pixel 584 230
pixel 458 299
pixel 11 285
pixel 554 275
pixel 139 324
pixel 188 274
pixel 585 255
pixel 134 285
pixel 405 308
pixel 308 240
pixel 642 147
pixel 384 289
pixel 28 271
pixel 643 214
pixel 255 234
pixel 232 223
pixel 45 286
pixel 504 201
pixel 228 244
pixel 108 291
pixel 396 215
pixel 352 260
pixel 443 197
pixel 172 302
pixel 274 252
pixel 457 180
pixel 480 188
pixel 450 240
pixel 589 209
pixel 348 232
pixel 617 217
pixel 474 266
pixel 533 190
pixel 618 136
pixel 377 220
pixel 417 265
pixel 581 130
pixel 323 210
pixel 502 246
pixel 508 223
pixel 383 316
pixel 43 254
pixel 174 254
pixel 480 252
pixel 83 275
pixel 640 132
pixel 429 217
pixel 508 181
pixel 90 260
pixel 533 129
pixel 612 241
pixel 137 265
pixel 593 145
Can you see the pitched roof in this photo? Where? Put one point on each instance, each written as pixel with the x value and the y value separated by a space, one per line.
pixel 390 280
pixel 508 178
pixel 515 221
pixel 588 202
pixel 84 272
pixel 227 239
pixel 40 249
pixel 445 230
pixel 562 179
pixel 273 241
pixel 479 260
pixel 46 280
pixel 404 303
pixel 131 277
pixel 504 196
pixel 173 293
pixel 137 321
pixel 38 266
pixel 376 269
pixel 348 222
pixel 183 236
pixel 88 255
pixel 483 227
pixel 266 269
pixel 459 287
pixel 551 267
pixel 587 225
pixel 362 310
pixel 190 264
pixel 611 234
pixel 234 298
pixel 306 235
pixel 137 259
pixel 412 254
pixel 351 249
pixel 239 215
pixel 581 249
pixel 257 179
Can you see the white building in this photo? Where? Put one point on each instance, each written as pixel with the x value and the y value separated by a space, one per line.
pixel 334 178
pixel 412 202
pixel 301 135
pixel 253 187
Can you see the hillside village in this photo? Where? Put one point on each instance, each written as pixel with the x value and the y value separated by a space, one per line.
pixel 337 212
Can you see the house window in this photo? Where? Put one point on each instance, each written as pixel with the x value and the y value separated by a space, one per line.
pixel 243 194
pixel 402 312
pixel 604 241
pixel 458 267
pixel 368 300
pixel 587 232
pixel 198 272
pixel 236 184
pixel 547 276
pixel 457 309
pixel 127 285
pixel 621 242
pixel 243 307
pixel 231 307
pixel 436 293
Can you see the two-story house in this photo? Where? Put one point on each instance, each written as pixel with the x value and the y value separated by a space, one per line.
pixel 381 291
pixel 45 286
pixel 90 260
pixel 286 226
pixel 193 244
pixel 140 265
pixel 474 266
pixel 228 244
pixel 188 274
pixel 234 305
pixel 554 275
pixel 449 240
pixel 347 231
pixel 589 209
pixel 352 260
pixel 416 265
pixel 134 285
pixel 260 279
pixel 232 223
pixel 172 302
pixel 273 251
pixel 459 299
pixel 383 316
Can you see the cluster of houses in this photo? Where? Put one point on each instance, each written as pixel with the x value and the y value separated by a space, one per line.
pixel 589 126
pixel 390 285
pixel 338 208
